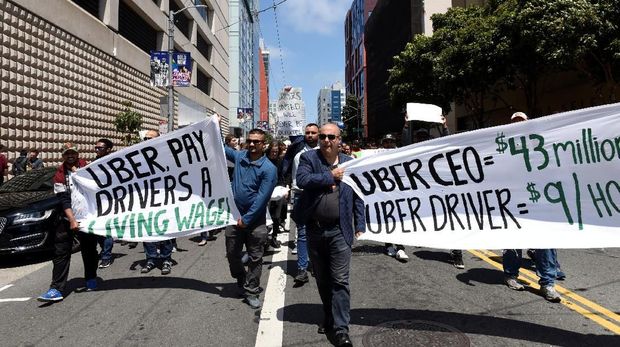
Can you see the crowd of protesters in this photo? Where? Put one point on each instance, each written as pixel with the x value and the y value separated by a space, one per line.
pixel 266 178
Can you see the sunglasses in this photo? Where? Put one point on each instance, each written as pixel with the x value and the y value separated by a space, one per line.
pixel 331 137
pixel 256 142
pixel 100 148
pixel 146 138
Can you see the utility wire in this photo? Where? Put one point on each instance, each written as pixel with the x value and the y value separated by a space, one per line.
pixel 275 15
pixel 256 13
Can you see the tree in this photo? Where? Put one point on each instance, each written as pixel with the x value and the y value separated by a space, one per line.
pixel 350 113
pixel 602 63
pixel 545 37
pixel 128 122
pixel 470 58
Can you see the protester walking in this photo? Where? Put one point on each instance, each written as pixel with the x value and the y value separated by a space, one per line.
pixel 65 232
pixel 253 182
pixel 104 147
pixel 333 215
pixel 160 249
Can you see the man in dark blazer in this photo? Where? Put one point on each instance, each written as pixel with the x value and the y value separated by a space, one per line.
pixel 333 216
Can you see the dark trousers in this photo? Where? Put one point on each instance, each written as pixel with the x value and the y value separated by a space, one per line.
pixel 254 240
pixel 90 256
pixel 63 243
pixel 277 210
pixel 330 256
pixel 165 250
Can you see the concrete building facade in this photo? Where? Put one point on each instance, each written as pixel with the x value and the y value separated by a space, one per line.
pixel 70 65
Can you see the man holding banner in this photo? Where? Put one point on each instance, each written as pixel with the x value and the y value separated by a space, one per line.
pixel 254 179
pixel 333 215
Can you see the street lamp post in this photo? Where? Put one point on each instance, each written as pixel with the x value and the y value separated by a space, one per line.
pixel 170 51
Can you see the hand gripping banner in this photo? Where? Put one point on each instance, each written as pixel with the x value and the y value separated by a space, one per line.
pixel 171 186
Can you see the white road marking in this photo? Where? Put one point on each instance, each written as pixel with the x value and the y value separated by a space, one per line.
pixel 14 299
pixel 11 299
pixel 271 324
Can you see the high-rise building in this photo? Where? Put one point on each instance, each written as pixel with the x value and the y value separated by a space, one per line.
pixel 68 67
pixel 244 67
pixel 392 25
pixel 330 102
pixel 355 55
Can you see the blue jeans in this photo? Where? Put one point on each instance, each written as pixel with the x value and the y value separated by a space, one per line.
pixel 544 260
pixel 331 256
pixel 302 241
pixel 165 250
pixel 106 243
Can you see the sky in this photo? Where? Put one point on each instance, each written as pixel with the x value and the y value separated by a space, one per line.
pixel 311 46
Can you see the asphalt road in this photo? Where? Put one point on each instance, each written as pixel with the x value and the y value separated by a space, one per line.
pixel 425 302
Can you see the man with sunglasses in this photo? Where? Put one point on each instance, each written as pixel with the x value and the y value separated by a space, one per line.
pixel 254 179
pixel 333 216
pixel 310 142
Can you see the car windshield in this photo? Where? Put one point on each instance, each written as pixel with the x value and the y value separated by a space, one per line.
pixel 31 181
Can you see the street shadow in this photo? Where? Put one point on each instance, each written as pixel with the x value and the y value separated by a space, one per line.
pixel 368 249
pixel 481 275
pixel 466 323
pixel 439 256
pixel 148 281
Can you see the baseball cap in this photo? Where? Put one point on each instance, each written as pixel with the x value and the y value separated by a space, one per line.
pixel 518 115
pixel 68 146
pixel 388 137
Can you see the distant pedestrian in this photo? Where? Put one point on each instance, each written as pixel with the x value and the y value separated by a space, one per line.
pixel 333 215
pixel 34 162
pixel 104 147
pixel 20 163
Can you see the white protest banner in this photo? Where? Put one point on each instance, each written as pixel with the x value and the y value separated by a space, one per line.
pixel 171 186
pixel 424 112
pixel 290 115
pixel 552 182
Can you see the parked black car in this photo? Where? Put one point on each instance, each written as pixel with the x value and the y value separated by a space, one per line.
pixel 30 212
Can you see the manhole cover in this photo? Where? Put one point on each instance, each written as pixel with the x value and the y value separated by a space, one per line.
pixel 414 333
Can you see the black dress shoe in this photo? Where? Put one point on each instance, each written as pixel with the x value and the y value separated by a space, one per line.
pixel 342 340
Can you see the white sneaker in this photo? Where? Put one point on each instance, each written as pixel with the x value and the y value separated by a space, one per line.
pixel 391 251
pixel 401 255
pixel 294 250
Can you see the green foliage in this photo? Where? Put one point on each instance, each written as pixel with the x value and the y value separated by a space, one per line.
pixel 128 122
pixel 477 52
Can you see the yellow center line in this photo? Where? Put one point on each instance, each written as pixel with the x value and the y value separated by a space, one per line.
pixel 531 279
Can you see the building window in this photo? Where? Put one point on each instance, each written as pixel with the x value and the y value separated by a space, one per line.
pixel 203 11
pixel 204 47
pixel 203 82
pixel 90 6
pixel 180 19
pixel 135 29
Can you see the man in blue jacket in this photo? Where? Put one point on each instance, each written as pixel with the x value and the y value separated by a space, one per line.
pixel 333 216
pixel 253 181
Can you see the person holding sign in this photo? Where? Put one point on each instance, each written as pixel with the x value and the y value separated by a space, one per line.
pixel 254 179
pixel 165 247
pixel 63 236
pixel 333 215
pixel 544 258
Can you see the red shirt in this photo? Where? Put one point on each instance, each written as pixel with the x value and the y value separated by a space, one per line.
pixel 4 164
